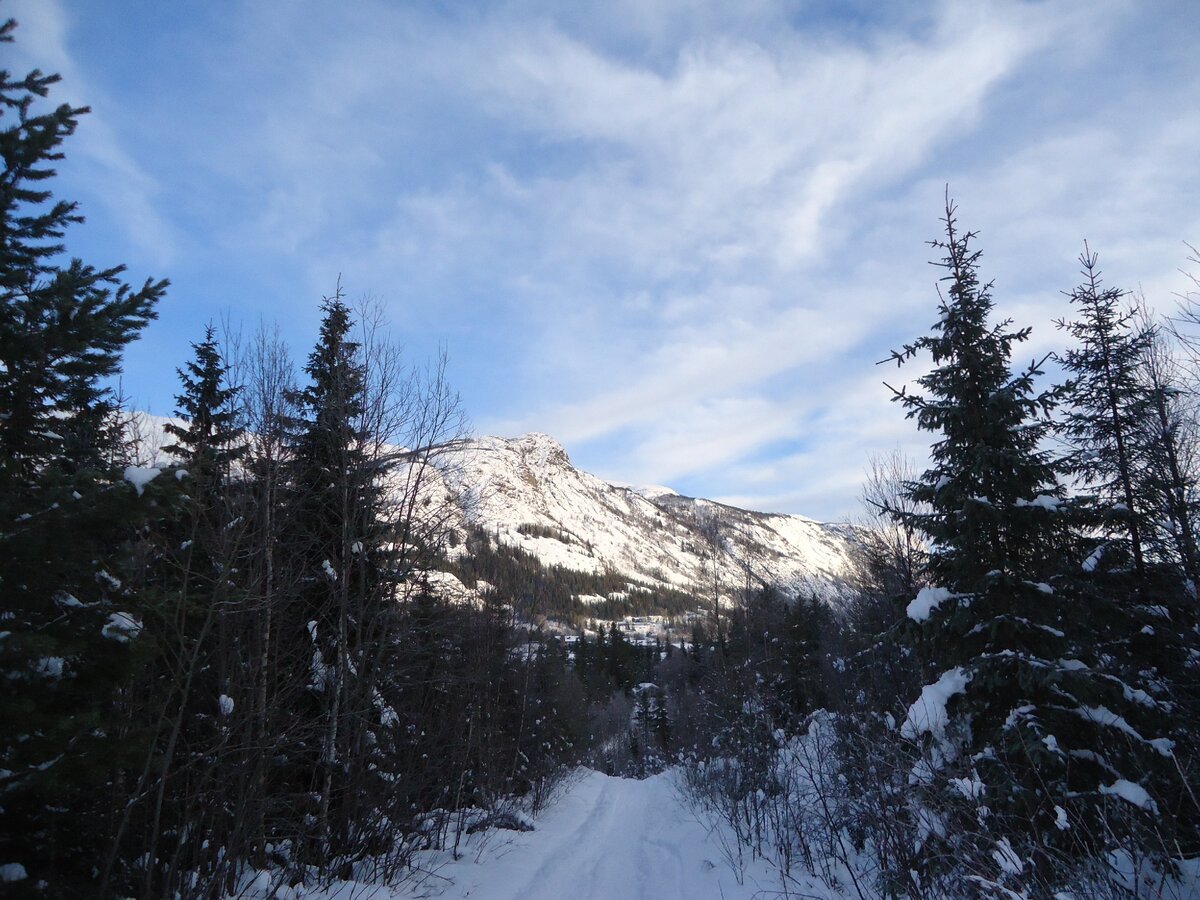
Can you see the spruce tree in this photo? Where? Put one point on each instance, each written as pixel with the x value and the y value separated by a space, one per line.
pixel 341 561
pixel 63 325
pixel 1124 444
pixel 1022 713
pixel 209 441
pixel 1103 404
pixel 68 523
pixel 198 686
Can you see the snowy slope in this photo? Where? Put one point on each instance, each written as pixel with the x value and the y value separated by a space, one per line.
pixel 525 491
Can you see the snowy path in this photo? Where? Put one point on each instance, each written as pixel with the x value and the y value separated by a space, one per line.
pixel 606 839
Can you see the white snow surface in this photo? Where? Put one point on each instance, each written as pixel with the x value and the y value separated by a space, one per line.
pixel 1131 793
pixel 1061 822
pixel 928 714
pixel 1093 560
pixel 1045 501
pixel 605 839
pixel 447 586
pixel 140 476
pixel 1007 858
pixel 122 627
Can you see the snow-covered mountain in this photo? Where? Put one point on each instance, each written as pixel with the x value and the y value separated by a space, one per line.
pixel 525 492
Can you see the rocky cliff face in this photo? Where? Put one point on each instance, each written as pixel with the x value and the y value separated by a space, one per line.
pixel 525 492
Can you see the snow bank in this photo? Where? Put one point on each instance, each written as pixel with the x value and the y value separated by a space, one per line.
pixel 606 837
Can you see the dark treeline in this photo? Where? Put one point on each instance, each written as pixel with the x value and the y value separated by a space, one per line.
pixel 537 590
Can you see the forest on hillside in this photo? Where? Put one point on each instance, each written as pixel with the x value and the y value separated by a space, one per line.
pixel 233 663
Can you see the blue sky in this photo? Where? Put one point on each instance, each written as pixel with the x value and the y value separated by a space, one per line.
pixel 676 235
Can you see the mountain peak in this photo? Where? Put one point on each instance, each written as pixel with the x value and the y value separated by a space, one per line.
pixel 539 449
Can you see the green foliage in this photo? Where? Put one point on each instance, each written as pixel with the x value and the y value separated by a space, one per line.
pixel 209 442
pixel 1105 400
pixel 1049 708
pixel 975 503
pixel 63 325
pixel 72 528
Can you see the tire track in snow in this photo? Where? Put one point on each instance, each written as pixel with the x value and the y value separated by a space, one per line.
pixel 582 849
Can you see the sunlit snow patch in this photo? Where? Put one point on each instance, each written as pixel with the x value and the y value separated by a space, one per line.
pixel 928 714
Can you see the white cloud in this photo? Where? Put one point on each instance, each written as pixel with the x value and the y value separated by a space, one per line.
pixel 109 167
pixel 677 236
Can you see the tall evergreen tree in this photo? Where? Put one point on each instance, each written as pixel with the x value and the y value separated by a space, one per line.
pixel 71 621
pixel 973 504
pixel 192 568
pixel 209 441
pixel 62 326
pixel 340 558
pixel 1103 403
pixel 1023 712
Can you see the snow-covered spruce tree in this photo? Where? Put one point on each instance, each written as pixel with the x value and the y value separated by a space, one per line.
pixel 70 625
pixel 1033 753
pixel 1125 455
pixel 1103 402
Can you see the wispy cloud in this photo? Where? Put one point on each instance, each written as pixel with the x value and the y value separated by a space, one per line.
pixel 677 236
pixel 100 158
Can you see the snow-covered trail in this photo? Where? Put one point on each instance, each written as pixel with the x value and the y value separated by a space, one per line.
pixel 605 839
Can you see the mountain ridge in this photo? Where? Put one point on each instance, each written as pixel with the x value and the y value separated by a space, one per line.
pixel 525 492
